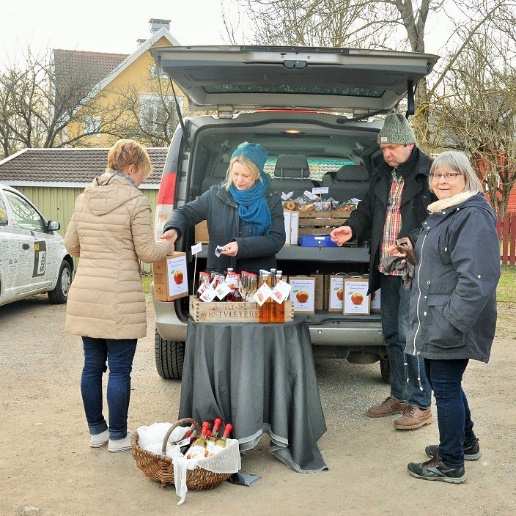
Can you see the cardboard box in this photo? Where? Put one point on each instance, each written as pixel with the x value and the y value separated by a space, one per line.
pixel 302 294
pixel 319 292
pixel 201 232
pixel 376 305
pixel 336 293
pixel 171 277
pixel 356 300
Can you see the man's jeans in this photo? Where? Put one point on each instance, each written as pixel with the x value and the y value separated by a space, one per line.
pixel 453 415
pixel 408 376
pixel 119 355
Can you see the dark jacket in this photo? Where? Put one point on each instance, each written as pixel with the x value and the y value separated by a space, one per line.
pixel 224 225
pixel 453 298
pixel 368 220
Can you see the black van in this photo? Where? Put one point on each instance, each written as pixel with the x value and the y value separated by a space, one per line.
pixel 314 110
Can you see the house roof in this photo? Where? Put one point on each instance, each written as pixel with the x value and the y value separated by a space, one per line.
pixel 68 168
pixel 80 74
pixel 82 70
pixel 144 47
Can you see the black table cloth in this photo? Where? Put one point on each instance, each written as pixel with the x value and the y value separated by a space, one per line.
pixel 261 378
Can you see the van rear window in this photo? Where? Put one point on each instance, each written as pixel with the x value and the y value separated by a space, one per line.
pixel 318 166
pixel 298 89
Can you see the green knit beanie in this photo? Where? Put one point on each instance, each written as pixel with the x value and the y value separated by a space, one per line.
pixel 396 129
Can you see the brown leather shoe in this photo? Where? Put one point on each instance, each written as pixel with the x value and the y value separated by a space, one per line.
pixel 387 407
pixel 412 418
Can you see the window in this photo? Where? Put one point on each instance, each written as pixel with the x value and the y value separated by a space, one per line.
pixel 92 124
pixel 156 110
pixel 24 215
pixel 156 72
pixel 3 213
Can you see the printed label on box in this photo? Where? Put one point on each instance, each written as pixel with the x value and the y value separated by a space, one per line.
pixel 302 294
pixel 356 300
pixel 177 276
pixel 336 294
pixel 320 190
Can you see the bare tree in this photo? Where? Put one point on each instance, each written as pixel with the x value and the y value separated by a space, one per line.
pixel 478 110
pixel 148 114
pixel 329 23
pixel 400 24
pixel 37 108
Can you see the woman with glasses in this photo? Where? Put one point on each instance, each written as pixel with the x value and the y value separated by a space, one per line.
pixel 453 306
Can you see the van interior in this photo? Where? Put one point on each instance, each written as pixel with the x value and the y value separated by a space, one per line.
pixel 302 155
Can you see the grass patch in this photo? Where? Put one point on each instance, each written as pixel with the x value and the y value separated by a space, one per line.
pixel 506 292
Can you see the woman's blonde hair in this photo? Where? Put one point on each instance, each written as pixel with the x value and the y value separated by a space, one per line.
pixel 458 162
pixel 247 163
pixel 125 153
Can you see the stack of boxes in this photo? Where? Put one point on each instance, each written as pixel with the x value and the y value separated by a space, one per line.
pixel 337 293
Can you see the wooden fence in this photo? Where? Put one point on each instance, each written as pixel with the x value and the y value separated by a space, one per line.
pixel 507 234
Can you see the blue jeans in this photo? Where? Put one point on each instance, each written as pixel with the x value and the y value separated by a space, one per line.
pixel 119 356
pixel 453 415
pixel 408 377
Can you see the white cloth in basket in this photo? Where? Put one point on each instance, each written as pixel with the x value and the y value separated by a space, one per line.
pixel 226 461
pixel 150 438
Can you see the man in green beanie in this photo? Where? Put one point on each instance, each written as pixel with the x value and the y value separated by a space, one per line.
pixel 395 207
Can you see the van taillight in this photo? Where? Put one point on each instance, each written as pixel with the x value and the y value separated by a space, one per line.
pixel 165 201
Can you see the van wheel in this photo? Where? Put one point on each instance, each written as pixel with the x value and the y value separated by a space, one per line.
pixel 59 295
pixel 170 356
pixel 385 370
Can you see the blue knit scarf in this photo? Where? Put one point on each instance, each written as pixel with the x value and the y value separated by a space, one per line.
pixel 252 205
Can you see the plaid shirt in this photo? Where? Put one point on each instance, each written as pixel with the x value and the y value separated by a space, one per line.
pixel 392 225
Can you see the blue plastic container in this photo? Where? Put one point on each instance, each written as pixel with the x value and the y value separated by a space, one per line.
pixel 316 241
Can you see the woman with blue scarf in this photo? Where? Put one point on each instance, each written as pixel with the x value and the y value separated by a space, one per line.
pixel 244 218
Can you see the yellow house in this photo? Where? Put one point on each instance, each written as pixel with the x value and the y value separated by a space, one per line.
pixel 127 95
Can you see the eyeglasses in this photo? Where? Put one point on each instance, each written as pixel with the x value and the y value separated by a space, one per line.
pixel 446 176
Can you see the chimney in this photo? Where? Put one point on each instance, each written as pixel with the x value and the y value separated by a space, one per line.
pixel 157 24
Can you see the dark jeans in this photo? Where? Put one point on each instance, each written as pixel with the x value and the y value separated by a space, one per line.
pixel 119 356
pixel 453 415
pixel 408 378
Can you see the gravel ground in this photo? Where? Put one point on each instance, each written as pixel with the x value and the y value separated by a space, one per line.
pixel 47 468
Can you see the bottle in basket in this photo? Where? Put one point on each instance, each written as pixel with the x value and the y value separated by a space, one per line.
pixel 217 423
pixel 221 442
pixel 198 448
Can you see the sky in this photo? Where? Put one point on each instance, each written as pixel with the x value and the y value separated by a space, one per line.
pixel 104 25
pixel 115 25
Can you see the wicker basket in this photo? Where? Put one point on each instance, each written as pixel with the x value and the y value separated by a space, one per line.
pixel 160 468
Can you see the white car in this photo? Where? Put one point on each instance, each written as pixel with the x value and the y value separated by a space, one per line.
pixel 33 258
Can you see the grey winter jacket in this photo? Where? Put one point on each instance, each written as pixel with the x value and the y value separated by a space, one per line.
pixel 453 298
pixel 224 225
